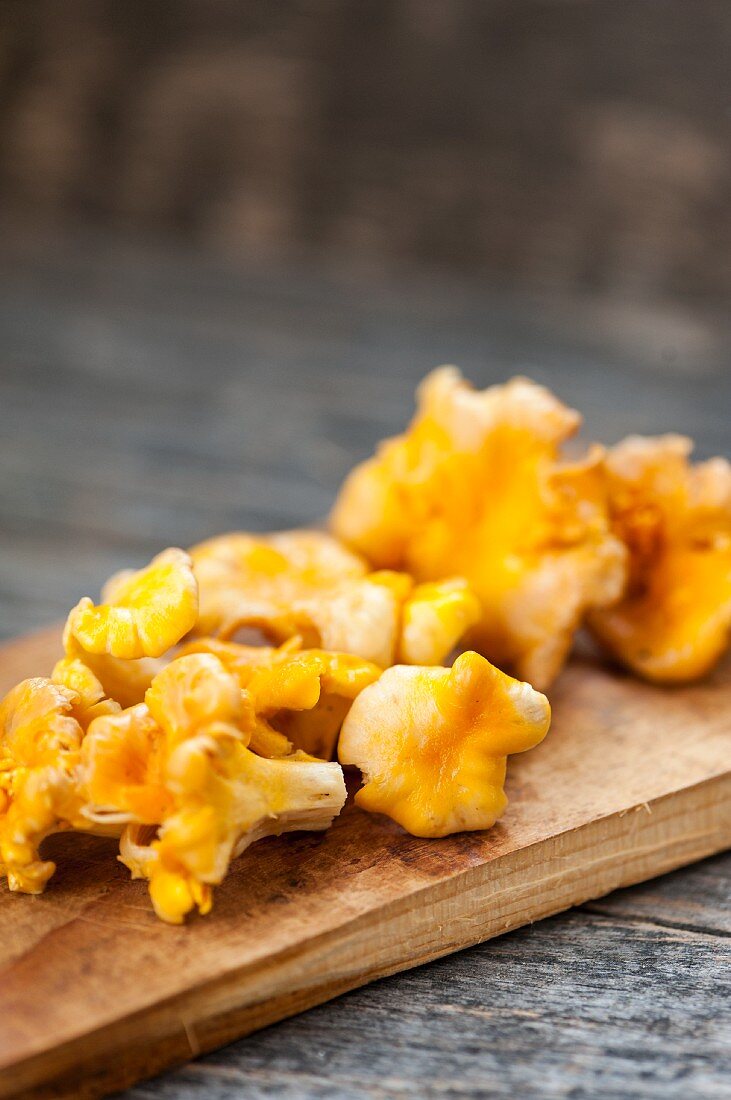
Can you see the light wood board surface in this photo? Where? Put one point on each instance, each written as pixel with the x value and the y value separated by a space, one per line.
pixel 96 992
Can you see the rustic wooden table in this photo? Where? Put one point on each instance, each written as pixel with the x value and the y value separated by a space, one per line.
pixel 149 398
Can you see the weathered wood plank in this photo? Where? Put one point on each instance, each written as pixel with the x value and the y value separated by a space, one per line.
pixel 696 899
pixel 579 1006
pixel 601 803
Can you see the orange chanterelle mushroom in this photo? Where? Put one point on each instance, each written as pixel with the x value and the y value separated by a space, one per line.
pixel 300 697
pixel 675 518
pixel 306 584
pixel 42 727
pixel 179 775
pixel 474 488
pixel 432 743
pixel 144 613
pixel 188 754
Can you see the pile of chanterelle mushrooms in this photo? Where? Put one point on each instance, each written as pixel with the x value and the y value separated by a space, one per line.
pixel 165 726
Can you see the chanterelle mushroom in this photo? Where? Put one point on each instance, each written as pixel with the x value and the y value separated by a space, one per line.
pixel 144 613
pixel 673 622
pixel 181 762
pixel 40 737
pixel 435 617
pixel 91 697
pixel 306 584
pixel 254 580
pixel 432 743
pixel 300 697
pixel 474 488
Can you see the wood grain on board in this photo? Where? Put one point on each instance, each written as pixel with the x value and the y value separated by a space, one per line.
pixel 631 782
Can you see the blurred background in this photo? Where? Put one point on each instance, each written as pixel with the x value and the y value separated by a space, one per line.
pixel 233 236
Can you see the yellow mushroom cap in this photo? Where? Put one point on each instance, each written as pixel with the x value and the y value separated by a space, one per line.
pixel 111 679
pixel 435 617
pixel 673 622
pixel 299 697
pixel 91 698
pixel 193 692
pixel 123 759
pixel 474 488
pixel 306 584
pixel 253 580
pixel 432 743
pixel 36 722
pixel 144 613
pixel 39 753
pixel 126 756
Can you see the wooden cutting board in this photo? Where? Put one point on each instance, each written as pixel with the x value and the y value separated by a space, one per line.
pixel 96 993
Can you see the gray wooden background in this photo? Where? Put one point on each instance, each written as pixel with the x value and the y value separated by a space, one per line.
pixel 580 143
pixel 233 236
